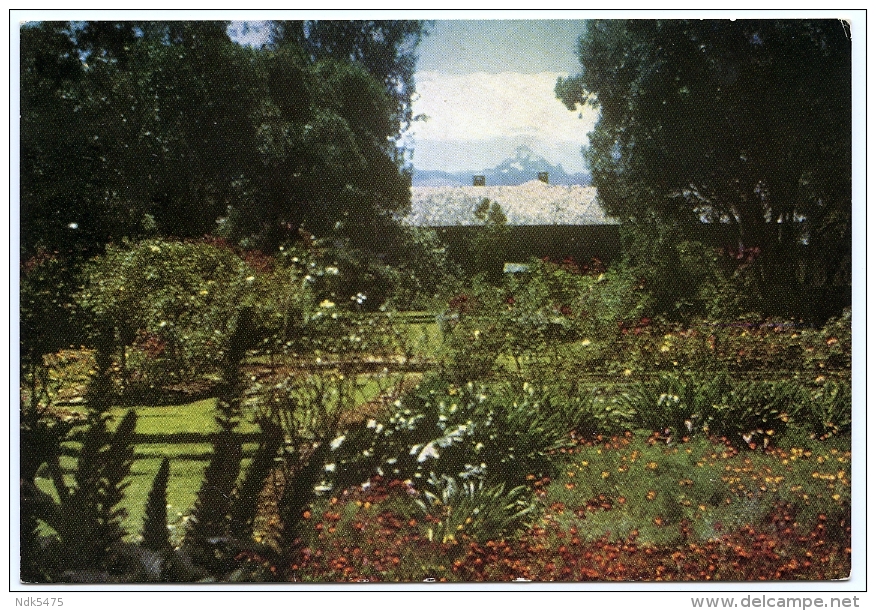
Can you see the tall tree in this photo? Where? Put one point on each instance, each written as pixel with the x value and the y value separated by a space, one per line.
pixel 168 127
pixel 743 123
pixel 386 49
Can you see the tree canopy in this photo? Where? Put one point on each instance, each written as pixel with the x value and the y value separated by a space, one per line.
pixel 741 123
pixel 131 129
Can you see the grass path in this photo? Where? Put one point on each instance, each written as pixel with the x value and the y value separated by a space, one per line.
pixel 181 433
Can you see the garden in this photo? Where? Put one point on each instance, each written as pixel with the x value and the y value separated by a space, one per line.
pixel 241 360
pixel 238 417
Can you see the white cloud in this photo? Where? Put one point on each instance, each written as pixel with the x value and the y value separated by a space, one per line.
pixel 468 108
pixel 482 106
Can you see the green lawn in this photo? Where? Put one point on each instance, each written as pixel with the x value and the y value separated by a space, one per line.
pixel 181 433
pixel 186 428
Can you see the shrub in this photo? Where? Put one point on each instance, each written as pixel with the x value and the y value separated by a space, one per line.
pixel 49 317
pixel 472 336
pixel 586 412
pixel 471 510
pixel 176 302
pixel 423 266
pixel 470 432
pixel 830 410
pixel 752 412
pixel 683 277
pixel 545 307
pixel 674 405
pixel 488 249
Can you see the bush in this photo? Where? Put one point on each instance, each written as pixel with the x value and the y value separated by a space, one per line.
pixel 530 322
pixel 174 303
pixel 49 317
pixel 752 412
pixel 830 410
pixel 587 413
pixel 469 510
pixel 684 278
pixel 746 413
pixel 472 336
pixel 470 432
pixel 488 249
pixel 423 266
pixel 673 405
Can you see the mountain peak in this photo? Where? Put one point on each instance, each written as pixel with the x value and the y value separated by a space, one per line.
pixel 527 163
pixel 524 165
pixel 524 152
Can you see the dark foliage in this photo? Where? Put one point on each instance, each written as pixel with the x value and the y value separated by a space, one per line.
pixel 246 496
pixel 743 123
pixel 155 523
pixel 131 129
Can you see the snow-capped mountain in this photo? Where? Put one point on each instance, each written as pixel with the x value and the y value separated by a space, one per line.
pixel 521 168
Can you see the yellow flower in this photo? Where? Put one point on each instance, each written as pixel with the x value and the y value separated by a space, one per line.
pixel 586 342
pixel 628 372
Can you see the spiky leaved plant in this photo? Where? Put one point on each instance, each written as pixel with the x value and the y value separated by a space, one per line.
pixel 89 519
pixel 298 494
pixel 155 523
pixel 209 523
pixel 246 496
pixel 41 434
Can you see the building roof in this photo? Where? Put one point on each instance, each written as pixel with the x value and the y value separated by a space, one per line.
pixel 532 203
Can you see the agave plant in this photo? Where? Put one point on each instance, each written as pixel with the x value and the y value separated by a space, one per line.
pixel 471 509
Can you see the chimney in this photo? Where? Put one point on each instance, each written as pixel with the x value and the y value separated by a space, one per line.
pixel 479 180
pixel 543 177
